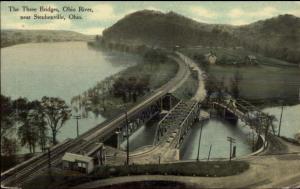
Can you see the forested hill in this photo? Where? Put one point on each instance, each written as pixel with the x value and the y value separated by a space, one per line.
pixel 13 37
pixel 278 37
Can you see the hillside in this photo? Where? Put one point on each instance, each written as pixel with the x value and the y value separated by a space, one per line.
pixel 278 37
pixel 158 29
pixel 13 37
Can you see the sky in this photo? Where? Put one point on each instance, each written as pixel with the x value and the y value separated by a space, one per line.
pixel 106 13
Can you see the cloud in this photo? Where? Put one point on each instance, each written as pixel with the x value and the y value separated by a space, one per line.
pixel 236 13
pixel 103 12
pixel 154 8
pixel 238 22
pixel 203 12
pixel 295 12
pixel 264 12
pixel 51 25
pixel 91 31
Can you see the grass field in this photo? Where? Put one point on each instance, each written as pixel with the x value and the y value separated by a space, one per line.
pixel 268 81
pixel 235 55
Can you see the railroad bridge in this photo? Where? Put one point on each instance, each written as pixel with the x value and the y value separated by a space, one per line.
pixel 175 124
pixel 234 109
pixel 176 118
pixel 133 122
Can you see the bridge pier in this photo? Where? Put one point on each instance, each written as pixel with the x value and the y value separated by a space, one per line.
pixel 225 114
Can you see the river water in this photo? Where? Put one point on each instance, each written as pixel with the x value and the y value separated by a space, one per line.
pixel 290 122
pixel 62 69
pixel 215 133
pixel 66 69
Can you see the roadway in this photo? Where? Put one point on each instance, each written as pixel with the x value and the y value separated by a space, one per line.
pixel 265 171
pixel 17 176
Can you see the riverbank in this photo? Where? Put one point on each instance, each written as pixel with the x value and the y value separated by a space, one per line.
pixel 17 37
pixel 102 98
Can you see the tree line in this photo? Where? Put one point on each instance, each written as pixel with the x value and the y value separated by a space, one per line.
pixel 214 85
pixel 35 123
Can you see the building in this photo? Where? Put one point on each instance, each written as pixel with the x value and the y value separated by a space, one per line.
pixel 87 162
pixel 251 59
pixel 211 58
pixel 78 162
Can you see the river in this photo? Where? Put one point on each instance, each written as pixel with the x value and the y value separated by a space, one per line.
pixel 290 122
pixel 66 69
pixel 62 69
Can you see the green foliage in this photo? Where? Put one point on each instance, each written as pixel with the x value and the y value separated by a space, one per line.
pixel 276 37
pixel 234 85
pixel 125 88
pixel 209 169
pixel 14 37
pixel 188 88
pixel 7 115
pixel 56 114
pixel 155 56
pixel 130 88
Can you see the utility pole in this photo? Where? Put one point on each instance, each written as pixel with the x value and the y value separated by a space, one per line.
pixel 253 143
pixel 209 153
pixel 49 157
pixel 77 117
pixel 231 140
pixel 280 120
pixel 199 142
pixel 127 135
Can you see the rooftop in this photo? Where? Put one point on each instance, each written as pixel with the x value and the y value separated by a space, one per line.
pixel 76 157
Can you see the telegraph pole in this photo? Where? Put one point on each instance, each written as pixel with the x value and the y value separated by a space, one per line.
pixel 49 157
pixel 231 140
pixel 280 120
pixel 127 136
pixel 209 153
pixel 199 142
pixel 253 143
pixel 77 117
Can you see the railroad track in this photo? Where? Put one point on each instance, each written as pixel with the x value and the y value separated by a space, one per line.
pixel 21 174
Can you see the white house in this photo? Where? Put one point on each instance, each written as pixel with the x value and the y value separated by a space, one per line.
pixel 251 59
pixel 78 162
pixel 211 58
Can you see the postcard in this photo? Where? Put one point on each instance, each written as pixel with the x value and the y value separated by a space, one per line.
pixel 150 94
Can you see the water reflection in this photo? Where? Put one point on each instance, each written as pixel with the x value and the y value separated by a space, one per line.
pixel 144 136
pixel 62 69
pixel 215 132
pixel 290 124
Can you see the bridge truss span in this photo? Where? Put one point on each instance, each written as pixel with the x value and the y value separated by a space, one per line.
pixel 175 125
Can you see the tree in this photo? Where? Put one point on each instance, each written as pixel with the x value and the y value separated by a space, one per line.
pixel 7 116
pixel 235 83
pixel 56 114
pixel 37 121
pixel 26 132
pixel 8 144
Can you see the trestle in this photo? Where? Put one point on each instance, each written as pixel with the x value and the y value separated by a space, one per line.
pixel 175 125
pixel 140 118
pixel 246 112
